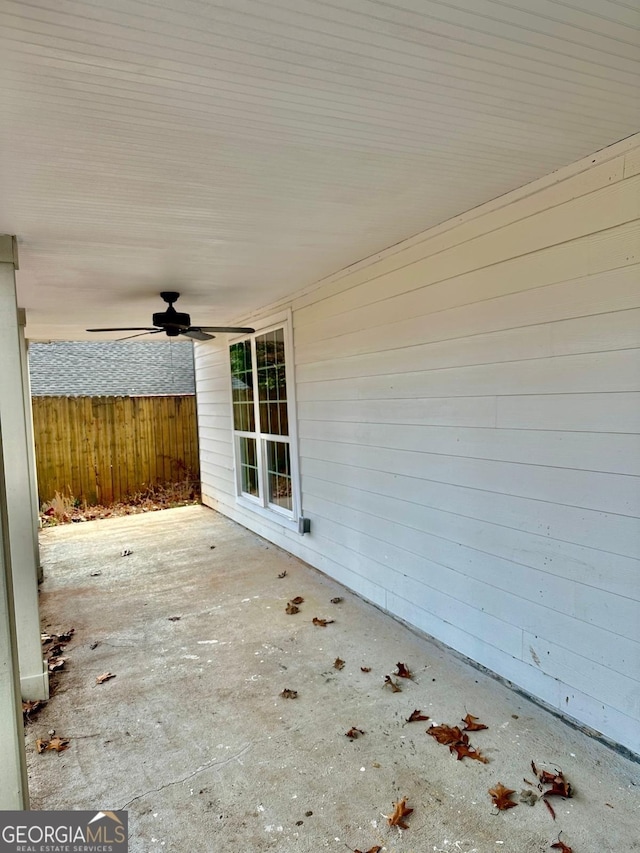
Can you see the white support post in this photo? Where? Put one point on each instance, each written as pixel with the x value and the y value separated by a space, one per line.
pixel 28 414
pixel 19 488
pixel 14 793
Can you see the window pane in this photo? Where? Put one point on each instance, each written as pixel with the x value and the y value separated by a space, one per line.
pixel 272 382
pixel 249 466
pixel 279 474
pixel 242 386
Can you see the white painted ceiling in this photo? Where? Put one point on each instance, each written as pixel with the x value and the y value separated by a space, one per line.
pixel 239 150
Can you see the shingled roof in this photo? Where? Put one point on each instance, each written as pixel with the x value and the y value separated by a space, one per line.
pixel 111 368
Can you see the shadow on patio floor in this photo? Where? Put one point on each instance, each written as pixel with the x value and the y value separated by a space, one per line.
pixel 193 738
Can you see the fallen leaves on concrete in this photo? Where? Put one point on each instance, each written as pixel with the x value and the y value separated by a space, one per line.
pixel 365 669
pixel 375 849
pixel 282 575
pixel 297 600
pixel 30 709
pixel 558 786
pixel 292 609
pixel 52 647
pixel 322 623
pixel 400 812
pixel 560 845
pixel 338 663
pixel 336 600
pixel 416 716
pixel 471 724
pixel 457 741
pixel 106 676
pixel 402 671
pixel 289 694
pixel 392 685
pixel 501 797
pixel 55 744
pixel 354 733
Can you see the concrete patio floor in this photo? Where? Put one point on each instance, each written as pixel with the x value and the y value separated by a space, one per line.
pixel 193 738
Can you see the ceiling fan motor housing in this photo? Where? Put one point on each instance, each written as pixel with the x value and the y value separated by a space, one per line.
pixel 171 318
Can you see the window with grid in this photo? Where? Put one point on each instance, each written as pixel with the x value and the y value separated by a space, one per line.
pixel 261 421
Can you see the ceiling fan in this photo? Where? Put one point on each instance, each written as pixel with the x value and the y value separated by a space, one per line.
pixel 173 324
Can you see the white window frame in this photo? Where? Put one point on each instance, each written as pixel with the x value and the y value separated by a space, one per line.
pixel 260 505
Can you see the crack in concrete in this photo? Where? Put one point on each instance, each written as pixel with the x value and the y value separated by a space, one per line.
pixel 212 763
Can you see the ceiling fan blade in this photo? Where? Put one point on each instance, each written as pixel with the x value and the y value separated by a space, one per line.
pixel 197 335
pixel 141 334
pixel 238 330
pixel 127 329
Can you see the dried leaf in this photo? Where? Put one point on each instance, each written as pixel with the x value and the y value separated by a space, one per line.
pixel 337 600
pixel 399 813
pixel 546 777
pixel 291 609
pixel 30 709
pixel 126 552
pixel 416 716
pixel 56 744
pixel 66 635
pixel 402 672
pixel 354 733
pixel 289 694
pixel 174 618
pixel 389 682
pixel 106 676
pixel 560 845
pixel 282 575
pixel 297 600
pixel 322 623
pixel 465 750
pixel 471 724
pixel 560 787
pixel 501 797
pixel 447 734
pixel 365 669
pixel 457 741
pixel 550 807
pixel 375 849
pixel 338 663
pixel 54 664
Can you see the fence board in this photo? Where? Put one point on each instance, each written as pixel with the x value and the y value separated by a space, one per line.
pixel 104 449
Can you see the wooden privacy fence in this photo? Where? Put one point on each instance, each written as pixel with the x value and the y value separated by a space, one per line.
pixel 105 449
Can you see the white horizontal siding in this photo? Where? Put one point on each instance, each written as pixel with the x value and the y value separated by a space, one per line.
pixel 469 422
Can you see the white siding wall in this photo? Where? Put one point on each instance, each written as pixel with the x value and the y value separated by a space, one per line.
pixel 469 411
